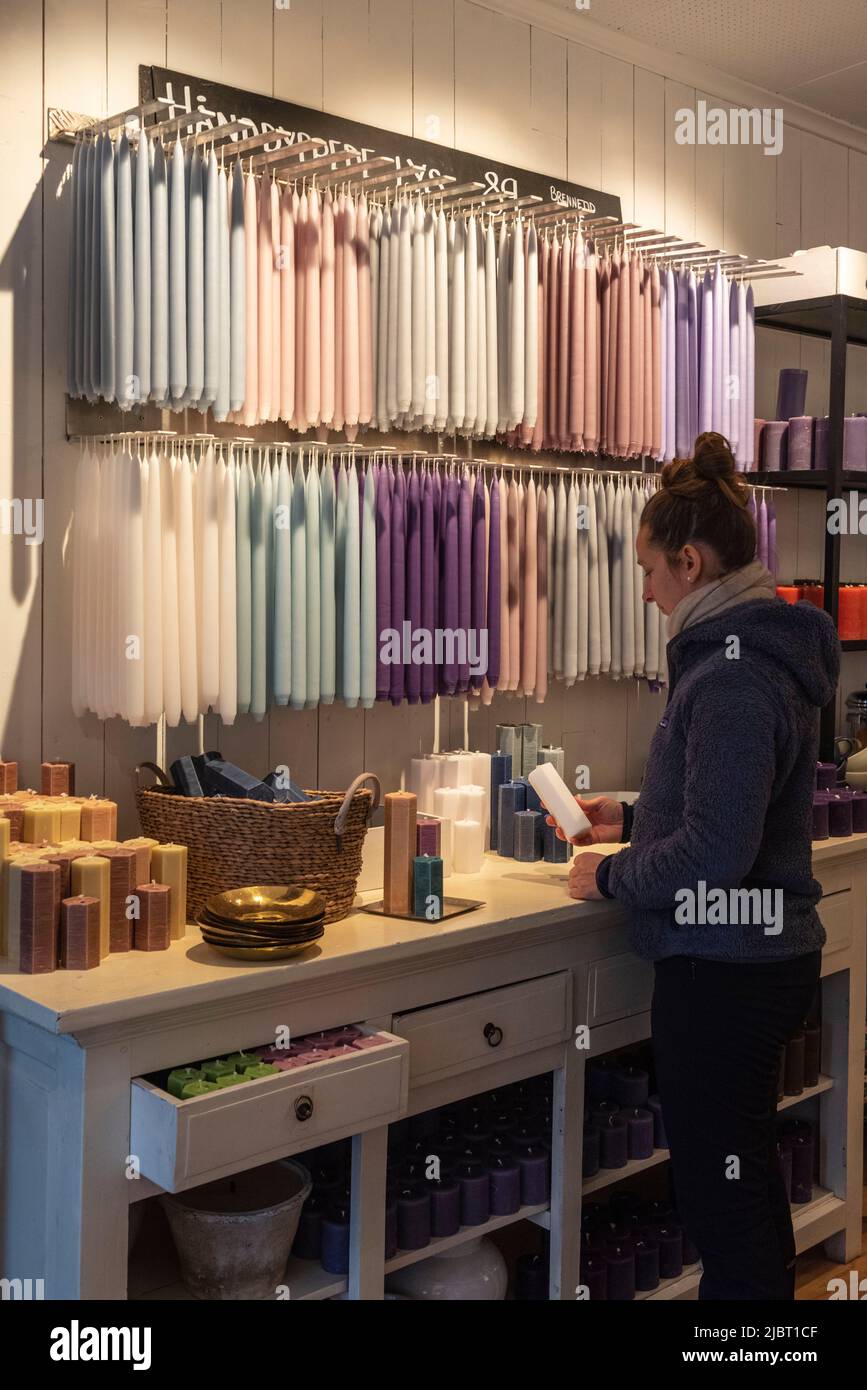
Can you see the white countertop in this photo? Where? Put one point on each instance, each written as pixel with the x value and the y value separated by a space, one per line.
pixel 516 897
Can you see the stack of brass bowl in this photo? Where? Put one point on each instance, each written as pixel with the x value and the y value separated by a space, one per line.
pixel 263 923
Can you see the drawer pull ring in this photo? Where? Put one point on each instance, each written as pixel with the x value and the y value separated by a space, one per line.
pixel 493 1034
pixel 303 1108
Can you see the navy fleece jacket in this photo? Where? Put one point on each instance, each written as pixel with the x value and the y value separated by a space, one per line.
pixel 726 798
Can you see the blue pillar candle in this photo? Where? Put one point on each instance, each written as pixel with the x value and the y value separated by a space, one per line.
pixel 335 1240
pixel 533 1162
pixel 620 1268
pixel 527 836
pixel 475 1185
pixel 307 1244
pixel 660 1138
pixel 590 1159
pixel 630 1085
pixel 531 735
pixel 646 1251
pixel 532 799
pixel 391 1246
pixel 594 1276
pixel 840 814
pixel 613 1143
pixel 427 887
pixel 639 1132
pixel 445 1207
pixel 670 1239
pixel 599 1078
pixel 512 800
pixel 501 771
pixel 554 850
pixel 413 1216
pixel 505 1185
pixel 531 1279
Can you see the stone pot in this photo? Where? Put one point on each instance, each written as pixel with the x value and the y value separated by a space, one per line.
pixel 233 1236
pixel 471 1272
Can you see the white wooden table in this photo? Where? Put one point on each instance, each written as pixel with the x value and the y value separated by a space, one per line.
pixel 531 961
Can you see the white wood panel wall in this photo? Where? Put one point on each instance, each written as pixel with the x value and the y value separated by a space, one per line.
pixel 454 71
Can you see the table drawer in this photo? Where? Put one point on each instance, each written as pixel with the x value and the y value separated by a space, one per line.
pixel 617 987
pixel 182 1143
pixel 836 914
pixel 480 1028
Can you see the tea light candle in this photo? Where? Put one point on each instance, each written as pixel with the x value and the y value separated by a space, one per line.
pixel 400 817
pixel 143 847
pixel 445 1207
pixel 121 863
pixel 38 918
pixel 79 933
pixel 501 771
pixel 98 819
pixel 41 823
pixel 181 1077
pixel 169 866
pixel 58 779
pixel 427 887
pixel 468 847
pixel 447 802
pixel 152 931
pixel 427 836
pixel 512 798
pixel 89 876
pixel 528 836
pixel 8 778
pixel 639 1125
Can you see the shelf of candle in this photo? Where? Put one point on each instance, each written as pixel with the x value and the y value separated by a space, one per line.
pixel 825 1083
pixel 439 1243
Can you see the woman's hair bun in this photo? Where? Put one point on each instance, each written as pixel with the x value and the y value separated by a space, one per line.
pixel 713 457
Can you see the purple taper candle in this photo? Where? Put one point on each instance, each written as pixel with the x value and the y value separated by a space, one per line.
pixel 762 546
pixel 494 581
pixel 413 579
pixel 772 538
pixel 692 337
pixel 682 440
pixel 465 570
pixel 383 578
pixel 450 599
pixel 398 578
pixel 479 574
pixel 428 583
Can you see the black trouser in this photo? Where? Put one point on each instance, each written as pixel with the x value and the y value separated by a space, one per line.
pixel 718 1030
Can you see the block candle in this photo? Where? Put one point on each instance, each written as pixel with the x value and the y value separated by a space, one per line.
pixel 472 803
pixel 169 866
pixel 448 770
pixel 197 1088
pixel 800 442
pixel 527 836
pixel 400 817
pixel 219 1066
pixel 5 836
pixel 58 779
pixel 549 754
pixel 13 811
pixel 427 887
pixel 121 863
pixel 8 778
pixel 558 800
pixel 447 802
pixel 143 847
pixel 424 781
pixel 259 1070
pixel 801 1146
pixel 530 738
pixel 181 1077
pixel 70 819
pixel 230 1080
pixel 532 799
pixel 501 771
pixel 512 798
pixel 509 741
pixel 242 1060
pixel 427 835
pixel 639 1127
pixel 98 820
pixel 64 860
pixel 79 933
pixel 41 823
pixel 152 930
pixel 555 850
pixel 468 847
pixel 38 919
pixel 89 876
pixel 660 1139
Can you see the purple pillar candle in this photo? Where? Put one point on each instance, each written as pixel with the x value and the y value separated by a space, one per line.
pixel 758 437
pixel 335 1240
pixel 774 446
pixel 413 1216
pixel 855 443
pixel 600 1111
pixel 505 1178
pixel 800 442
pixel 791 392
pixel 613 1142
pixel 391 1246
pixel 599 1078
pixel 670 1240
pixel 639 1126
pixel 620 1267
pixel 590 1159
pixel 531 1279
pixel 307 1244
pixel 784 1155
pixel 826 777
pixel 594 1276
pixel 840 814
pixel 503 1120
pixel 820 815
pixel 533 1162
pixel 660 1139
pixel 821 441
pixel 801 1146
pixel 646 1251
pixel 691 1254
pixel 427 836
pixel 445 1207
pixel 615 1230
pixel 475 1185
pixel 859 812
pixel 425 1124
pixel 630 1085
pixel 625 1206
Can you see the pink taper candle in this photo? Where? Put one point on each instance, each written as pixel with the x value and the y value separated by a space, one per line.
pixel 300 421
pixel 287 305
pixel 266 297
pixel 312 373
pixel 365 350
pixel 326 307
pixel 339 324
pixel 351 403
pixel 251 403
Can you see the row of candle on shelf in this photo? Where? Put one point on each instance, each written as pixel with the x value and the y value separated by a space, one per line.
pixel 35 819
pixel 622 1120
pixel 199 1078
pixel 628 1246
pixel 800 1060
pixel 838 813
pixel 795 442
pixel 851 604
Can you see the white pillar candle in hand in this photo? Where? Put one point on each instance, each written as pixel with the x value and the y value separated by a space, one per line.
pixel 468 847
pixel 558 800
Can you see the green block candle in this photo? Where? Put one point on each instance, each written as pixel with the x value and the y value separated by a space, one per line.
pixel 427 883
pixel 262 1069
pixel 197 1088
pixel 231 1078
pixel 216 1068
pixel 181 1077
pixel 241 1060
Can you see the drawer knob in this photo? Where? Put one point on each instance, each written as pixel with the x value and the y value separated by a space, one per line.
pixel 303 1108
pixel 493 1034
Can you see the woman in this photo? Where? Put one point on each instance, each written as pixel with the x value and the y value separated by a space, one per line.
pixel 726 804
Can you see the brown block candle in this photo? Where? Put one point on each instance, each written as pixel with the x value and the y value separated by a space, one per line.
pixel 121 874
pixel 400 825
pixel 8 778
pixel 98 820
pixel 38 919
pixel 58 779
pixel 14 812
pixel 153 928
pixel 79 933
pixel 142 846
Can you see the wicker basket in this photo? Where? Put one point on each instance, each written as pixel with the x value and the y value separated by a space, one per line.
pixel 234 843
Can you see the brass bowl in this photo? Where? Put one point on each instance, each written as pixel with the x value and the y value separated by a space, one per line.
pixel 268 902
pixel 279 931
pixel 241 936
pixel 263 954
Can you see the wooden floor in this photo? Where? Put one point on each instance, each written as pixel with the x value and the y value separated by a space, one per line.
pixel 814 1270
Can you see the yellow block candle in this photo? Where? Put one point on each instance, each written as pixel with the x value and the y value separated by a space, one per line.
pixel 70 819
pixel 5 836
pixel 41 822
pixel 98 845
pixel 169 865
pixel 90 878
pixel 5 842
pixel 142 846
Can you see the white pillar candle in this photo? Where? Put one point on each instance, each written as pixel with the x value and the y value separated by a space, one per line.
pixel 468 847
pixel 447 801
pixel 429 773
pixel 472 803
pixel 482 778
pixel 448 774
pixel 558 800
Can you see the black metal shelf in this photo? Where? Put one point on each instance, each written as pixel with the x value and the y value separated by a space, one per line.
pixel 854 644
pixel 815 317
pixel 812 478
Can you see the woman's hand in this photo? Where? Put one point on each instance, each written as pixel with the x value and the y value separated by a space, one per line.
pixel 582 876
pixel 606 821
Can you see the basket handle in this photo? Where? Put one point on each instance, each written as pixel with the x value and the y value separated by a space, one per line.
pixel 161 776
pixel 340 818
